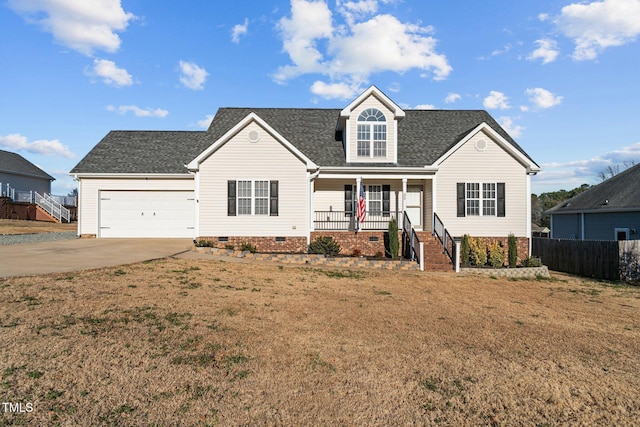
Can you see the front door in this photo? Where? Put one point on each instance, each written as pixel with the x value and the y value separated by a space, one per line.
pixel 414 205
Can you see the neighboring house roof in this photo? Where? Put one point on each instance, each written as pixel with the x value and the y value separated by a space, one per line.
pixel 13 163
pixel 619 193
pixel 423 136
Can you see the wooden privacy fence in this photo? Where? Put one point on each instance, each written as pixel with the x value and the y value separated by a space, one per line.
pixel 600 259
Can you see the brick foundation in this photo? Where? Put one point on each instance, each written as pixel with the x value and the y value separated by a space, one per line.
pixel 368 243
pixel 262 244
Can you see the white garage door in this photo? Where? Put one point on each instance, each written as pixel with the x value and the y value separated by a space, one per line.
pixel 147 214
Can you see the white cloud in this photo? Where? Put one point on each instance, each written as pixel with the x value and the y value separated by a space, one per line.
pixel 547 51
pixel 512 129
pixel 542 98
pixel 78 24
pixel 425 107
pixel 193 76
pixel 452 97
pixel 334 90
pixel 496 101
pixel 567 175
pixel 239 30
pixel 598 25
pixel 349 47
pixel 110 74
pixel 354 10
pixel 497 52
pixel 45 147
pixel 137 111
pixel 206 122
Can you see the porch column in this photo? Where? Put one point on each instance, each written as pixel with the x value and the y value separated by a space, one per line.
pixel 404 201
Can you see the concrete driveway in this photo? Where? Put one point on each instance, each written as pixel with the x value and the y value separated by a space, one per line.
pixel 81 254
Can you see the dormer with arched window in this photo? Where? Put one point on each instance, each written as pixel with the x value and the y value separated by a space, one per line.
pixel 369 125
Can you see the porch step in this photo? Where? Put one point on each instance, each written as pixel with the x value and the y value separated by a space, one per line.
pixel 434 257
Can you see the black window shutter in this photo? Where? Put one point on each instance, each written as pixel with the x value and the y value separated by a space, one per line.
pixel 461 199
pixel 273 198
pixel 501 199
pixel 386 200
pixel 231 198
pixel 348 200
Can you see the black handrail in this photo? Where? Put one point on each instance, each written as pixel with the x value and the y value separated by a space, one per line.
pixel 448 243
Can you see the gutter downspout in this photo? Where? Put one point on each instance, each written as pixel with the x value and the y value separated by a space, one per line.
pixel 311 177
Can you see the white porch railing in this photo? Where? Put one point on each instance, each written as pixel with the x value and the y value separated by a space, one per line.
pixel 53 208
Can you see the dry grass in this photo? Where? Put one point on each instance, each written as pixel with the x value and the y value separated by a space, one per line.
pixel 16 226
pixel 213 343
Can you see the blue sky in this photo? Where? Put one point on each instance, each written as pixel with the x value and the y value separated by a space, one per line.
pixel 561 76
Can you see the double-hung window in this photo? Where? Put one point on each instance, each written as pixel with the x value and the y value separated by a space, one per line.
pixel 488 199
pixel 252 197
pixel 371 134
pixel 375 200
pixel 481 199
pixel 261 197
pixel 245 199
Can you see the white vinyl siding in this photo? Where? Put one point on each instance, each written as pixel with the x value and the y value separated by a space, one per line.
pixel 89 191
pixel 239 159
pixel 492 165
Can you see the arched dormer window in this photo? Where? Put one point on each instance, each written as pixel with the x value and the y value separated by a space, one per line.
pixel 372 134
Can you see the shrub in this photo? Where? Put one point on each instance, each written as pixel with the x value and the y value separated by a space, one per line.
pixel 478 251
pixel 324 245
pixel 465 251
pixel 229 247
pixel 496 254
pixel 512 244
pixel 356 252
pixel 245 246
pixel 204 244
pixel 394 245
pixel 531 262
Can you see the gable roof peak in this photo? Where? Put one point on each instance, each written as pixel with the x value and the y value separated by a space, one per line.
pixel 373 91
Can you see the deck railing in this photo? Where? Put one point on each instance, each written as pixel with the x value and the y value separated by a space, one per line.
pixel 54 208
pixel 346 221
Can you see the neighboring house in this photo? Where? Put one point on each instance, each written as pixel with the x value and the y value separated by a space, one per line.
pixel 19 174
pixel 607 211
pixel 279 177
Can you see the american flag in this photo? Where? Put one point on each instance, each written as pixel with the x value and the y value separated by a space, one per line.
pixel 362 206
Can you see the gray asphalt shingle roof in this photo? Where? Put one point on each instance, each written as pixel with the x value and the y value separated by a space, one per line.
pixel 621 192
pixel 423 136
pixel 16 164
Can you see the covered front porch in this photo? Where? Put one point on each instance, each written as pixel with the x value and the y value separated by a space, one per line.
pixel 334 202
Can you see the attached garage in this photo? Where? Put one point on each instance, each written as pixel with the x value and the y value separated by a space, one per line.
pixel 125 213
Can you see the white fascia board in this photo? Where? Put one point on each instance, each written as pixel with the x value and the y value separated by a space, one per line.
pixel 397 111
pixel 78 176
pixel 377 173
pixel 524 160
pixel 251 117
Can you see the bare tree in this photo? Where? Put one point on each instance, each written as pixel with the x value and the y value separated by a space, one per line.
pixel 613 170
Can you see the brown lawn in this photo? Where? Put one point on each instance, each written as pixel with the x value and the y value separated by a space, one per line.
pixel 207 342
pixel 16 226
